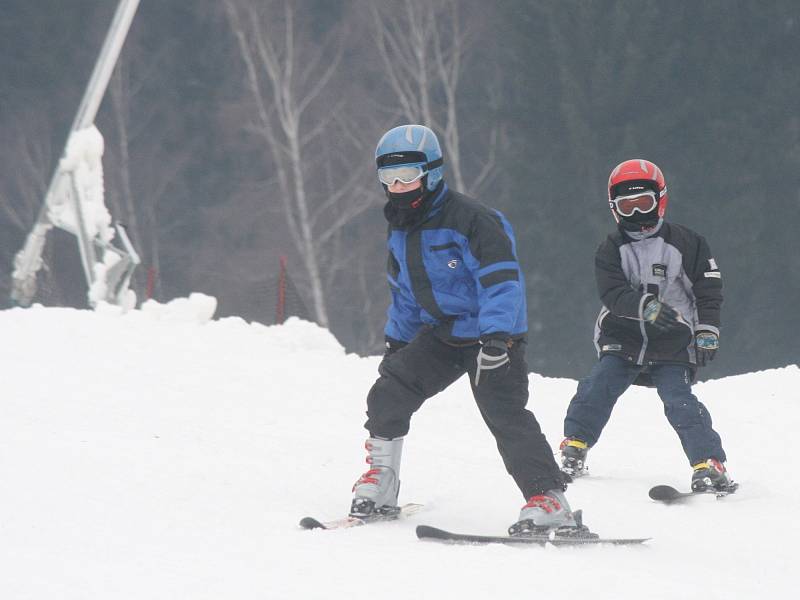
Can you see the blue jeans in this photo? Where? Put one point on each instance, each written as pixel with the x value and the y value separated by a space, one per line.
pixel 592 404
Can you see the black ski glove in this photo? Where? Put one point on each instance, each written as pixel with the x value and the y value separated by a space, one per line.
pixel 392 345
pixel 493 360
pixel 661 316
pixel 706 344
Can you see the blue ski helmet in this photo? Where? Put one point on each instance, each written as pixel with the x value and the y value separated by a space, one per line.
pixel 413 145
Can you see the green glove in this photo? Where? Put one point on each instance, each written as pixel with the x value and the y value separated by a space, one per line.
pixel 659 315
pixel 706 344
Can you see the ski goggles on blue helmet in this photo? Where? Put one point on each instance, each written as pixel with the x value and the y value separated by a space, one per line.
pixel 405 167
pixel 401 173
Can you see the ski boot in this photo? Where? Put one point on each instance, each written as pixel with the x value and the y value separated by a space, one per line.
pixel 711 475
pixel 573 457
pixel 549 513
pixel 376 491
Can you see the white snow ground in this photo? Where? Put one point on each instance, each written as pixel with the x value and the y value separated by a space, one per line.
pixel 160 454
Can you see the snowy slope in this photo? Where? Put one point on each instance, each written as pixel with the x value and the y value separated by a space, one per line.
pixel 160 454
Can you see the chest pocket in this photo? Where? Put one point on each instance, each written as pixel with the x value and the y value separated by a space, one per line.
pixel 446 267
pixel 664 280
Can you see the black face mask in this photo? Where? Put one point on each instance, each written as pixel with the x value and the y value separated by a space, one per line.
pixel 406 208
pixel 411 200
pixel 639 221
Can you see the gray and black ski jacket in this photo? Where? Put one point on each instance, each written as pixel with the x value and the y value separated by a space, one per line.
pixel 675 265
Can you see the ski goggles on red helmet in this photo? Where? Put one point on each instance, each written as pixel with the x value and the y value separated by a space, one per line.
pixel 642 202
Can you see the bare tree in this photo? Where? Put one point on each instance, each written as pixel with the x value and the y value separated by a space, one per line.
pixel 140 170
pixel 27 151
pixel 27 146
pixel 424 45
pixel 287 71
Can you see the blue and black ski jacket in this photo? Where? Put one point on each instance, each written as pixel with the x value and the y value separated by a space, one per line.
pixel 457 272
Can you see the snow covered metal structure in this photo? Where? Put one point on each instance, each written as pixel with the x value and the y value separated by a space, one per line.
pixel 74 200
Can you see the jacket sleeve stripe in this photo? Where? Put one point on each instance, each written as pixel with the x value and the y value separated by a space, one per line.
pixel 498 266
pixel 499 276
pixel 706 283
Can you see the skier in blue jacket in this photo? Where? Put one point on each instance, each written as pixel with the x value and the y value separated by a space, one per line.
pixel 458 306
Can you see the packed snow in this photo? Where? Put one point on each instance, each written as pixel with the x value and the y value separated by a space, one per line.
pixel 162 454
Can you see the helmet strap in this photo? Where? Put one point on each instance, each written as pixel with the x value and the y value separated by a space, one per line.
pixel 434 163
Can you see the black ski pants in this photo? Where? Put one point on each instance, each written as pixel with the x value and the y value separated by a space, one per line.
pixel 427 366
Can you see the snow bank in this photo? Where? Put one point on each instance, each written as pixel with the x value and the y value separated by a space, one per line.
pixel 162 453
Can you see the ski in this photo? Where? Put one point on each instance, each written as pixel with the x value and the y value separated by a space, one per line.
pixel 425 532
pixel 668 494
pixel 404 511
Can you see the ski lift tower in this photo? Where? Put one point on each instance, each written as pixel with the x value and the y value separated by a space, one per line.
pixel 75 202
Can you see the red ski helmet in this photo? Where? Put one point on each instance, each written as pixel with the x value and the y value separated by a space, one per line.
pixel 642 172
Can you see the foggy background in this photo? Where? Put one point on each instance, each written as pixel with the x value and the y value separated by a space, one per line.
pixel 240 131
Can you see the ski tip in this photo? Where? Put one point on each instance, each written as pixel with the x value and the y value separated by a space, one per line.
pixel 423 531
pixel 426 531
pixel 311 523
pixel 663 492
